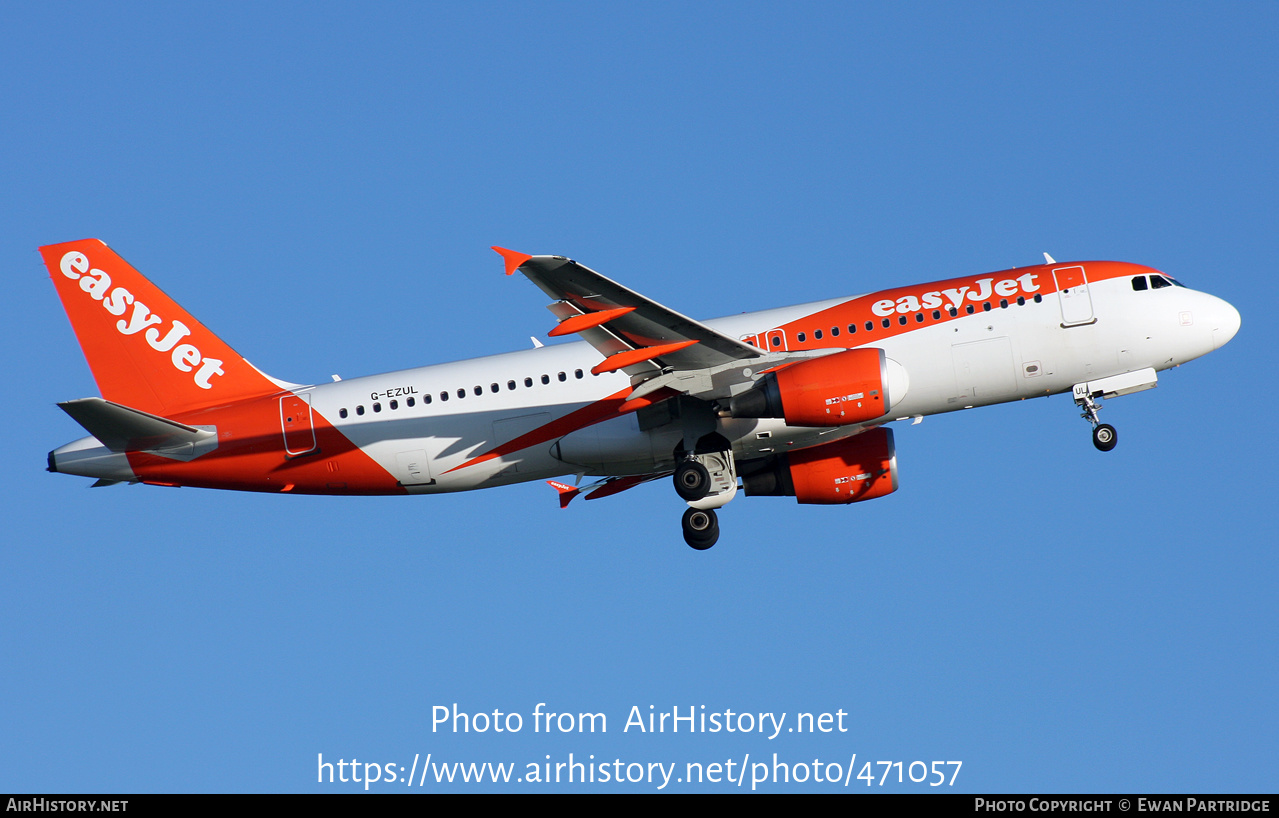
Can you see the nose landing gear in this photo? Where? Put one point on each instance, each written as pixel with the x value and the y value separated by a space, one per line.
pixel 1087 393
pixel 1104 436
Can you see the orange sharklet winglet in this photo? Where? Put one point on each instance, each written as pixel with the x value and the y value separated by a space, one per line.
pixel 636 356
pixel 513 259
pixel 587 320
pixel 567 493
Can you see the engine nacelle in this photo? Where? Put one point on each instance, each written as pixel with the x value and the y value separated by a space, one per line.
pixel 834 390
pixel 856 468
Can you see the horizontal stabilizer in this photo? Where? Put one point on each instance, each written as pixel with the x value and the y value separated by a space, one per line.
pixel 122 429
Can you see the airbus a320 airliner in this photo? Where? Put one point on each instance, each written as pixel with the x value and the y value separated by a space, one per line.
pixel 790 402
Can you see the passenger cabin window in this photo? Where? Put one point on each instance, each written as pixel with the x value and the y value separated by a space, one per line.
pixel 546 379
pixel 395 404
pixel 359 410
pixel 342 412
pixel 411 401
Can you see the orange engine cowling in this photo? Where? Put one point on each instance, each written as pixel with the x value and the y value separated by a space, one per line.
pixel 857 468
pixel 833 390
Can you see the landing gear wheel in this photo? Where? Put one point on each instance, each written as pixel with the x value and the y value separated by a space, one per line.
pixel 692 481
pixel 1104 437
pixel 701 528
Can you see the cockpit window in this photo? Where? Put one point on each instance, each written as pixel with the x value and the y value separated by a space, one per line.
pixel 1139 283
pixel 1159 282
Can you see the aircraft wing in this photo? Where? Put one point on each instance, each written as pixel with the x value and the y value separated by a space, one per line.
pixel 602 488
pixel 633 333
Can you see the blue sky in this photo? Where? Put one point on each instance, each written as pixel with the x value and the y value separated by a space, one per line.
pixel 320 184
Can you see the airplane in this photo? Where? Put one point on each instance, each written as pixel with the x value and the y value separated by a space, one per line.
pixel 792 401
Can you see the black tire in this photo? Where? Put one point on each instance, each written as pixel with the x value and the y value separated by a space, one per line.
pixel 1104 437
pixel 692 480
pixel 701 528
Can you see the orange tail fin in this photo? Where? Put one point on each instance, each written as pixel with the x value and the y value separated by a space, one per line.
pixel 145 351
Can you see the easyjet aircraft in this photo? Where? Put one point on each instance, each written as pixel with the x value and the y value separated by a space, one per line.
pixel 791 401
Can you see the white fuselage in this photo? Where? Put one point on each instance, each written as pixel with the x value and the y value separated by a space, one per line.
pixel 1006 353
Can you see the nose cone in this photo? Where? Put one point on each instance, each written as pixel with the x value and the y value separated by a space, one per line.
pixel 1224 321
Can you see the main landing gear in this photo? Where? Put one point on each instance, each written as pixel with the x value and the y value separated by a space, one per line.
pixel 705 481
pixel 701 528
pixel 692 480
pixel 1104 436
